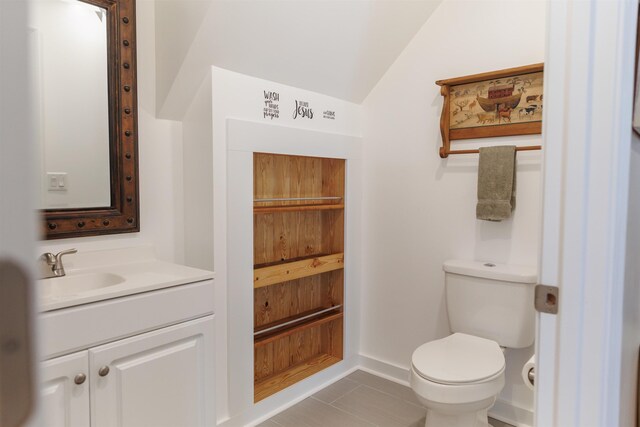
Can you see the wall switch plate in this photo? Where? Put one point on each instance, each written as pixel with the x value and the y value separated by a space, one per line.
pixel 57 181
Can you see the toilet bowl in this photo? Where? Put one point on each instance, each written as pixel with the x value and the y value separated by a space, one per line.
pixel 457 379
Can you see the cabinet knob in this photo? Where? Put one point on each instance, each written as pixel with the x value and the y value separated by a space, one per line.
pixel 103 371
pixel 80 378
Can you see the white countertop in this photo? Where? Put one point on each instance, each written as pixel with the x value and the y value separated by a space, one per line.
pixel 137 268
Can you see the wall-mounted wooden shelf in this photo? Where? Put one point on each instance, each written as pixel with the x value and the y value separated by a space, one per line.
pixel 290 270
pixel 298 239
pixel 297 208
pixel 273 384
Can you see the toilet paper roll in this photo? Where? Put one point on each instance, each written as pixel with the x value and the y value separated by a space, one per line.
pixel 531 364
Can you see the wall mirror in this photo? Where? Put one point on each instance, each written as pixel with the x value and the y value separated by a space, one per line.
pixel 84 65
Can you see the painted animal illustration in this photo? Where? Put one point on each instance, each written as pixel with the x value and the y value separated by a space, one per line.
pixel 473 104
pixel 504 113
pixel 527 111
pixel 484 118
pixel 527 82
pixel 532 98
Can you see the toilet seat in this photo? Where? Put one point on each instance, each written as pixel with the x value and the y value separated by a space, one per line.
pixel 459 359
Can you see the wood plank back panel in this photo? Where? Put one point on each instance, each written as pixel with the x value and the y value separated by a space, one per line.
pixel 333 232
pixel 281 236
pixel 286 235
pixel 332 338
pixel 275 357
pixel 288 299
pixel 333 173
pixel 281 176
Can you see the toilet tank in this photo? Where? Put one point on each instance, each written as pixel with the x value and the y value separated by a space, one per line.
pixel 493 301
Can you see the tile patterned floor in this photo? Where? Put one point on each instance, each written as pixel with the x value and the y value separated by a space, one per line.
pixel 358 400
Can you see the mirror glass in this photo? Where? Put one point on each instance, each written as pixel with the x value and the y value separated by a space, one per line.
pixel 71 96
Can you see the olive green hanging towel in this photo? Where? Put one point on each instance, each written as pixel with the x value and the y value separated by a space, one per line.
pixel 496 183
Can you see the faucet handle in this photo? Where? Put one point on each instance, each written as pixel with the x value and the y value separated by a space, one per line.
pixel 58 268
pixel 66 252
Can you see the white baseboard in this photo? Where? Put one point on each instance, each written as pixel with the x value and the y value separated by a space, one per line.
pixel 502 410
pixel 386 370
pixel 511 414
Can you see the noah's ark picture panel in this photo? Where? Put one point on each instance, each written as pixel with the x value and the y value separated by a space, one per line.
pixel 498 103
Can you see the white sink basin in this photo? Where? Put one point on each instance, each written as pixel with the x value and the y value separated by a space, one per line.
pixel 76 284
pixel 104 275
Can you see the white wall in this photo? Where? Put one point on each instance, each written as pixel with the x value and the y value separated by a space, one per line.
pixel 419 210
pixel 160 165
pixel 197 135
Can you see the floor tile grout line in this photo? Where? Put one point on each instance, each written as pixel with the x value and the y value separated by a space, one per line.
pixel 345 411
pixel 274 421
pixel 371 388
pixel 389 393
pixel 340 397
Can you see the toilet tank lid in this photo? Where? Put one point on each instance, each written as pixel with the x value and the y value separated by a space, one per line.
pixel 489 270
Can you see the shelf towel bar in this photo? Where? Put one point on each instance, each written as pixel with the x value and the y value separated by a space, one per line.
pixel 297 199
pixel 300 319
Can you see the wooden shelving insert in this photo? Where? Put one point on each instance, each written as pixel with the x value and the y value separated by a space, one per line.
pixel 271 385
pixel 286 271
pixel 298 237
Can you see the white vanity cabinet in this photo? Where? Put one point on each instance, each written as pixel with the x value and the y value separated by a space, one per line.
pixel 159 378
pixel 64 396
pixel 139 353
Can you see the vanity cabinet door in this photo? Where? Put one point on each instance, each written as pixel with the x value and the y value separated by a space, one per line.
pixel 160 378
pixel 64 393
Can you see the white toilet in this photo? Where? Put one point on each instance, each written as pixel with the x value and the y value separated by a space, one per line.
pixel 490 307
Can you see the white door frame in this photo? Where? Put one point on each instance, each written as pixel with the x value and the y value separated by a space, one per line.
pixel 587 136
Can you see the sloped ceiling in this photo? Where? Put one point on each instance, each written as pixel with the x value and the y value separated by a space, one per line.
pixel 339 48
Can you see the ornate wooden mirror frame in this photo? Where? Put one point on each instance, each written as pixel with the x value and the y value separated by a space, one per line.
pixel 123 215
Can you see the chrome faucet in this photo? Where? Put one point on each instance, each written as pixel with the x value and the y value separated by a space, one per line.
pixel 51 265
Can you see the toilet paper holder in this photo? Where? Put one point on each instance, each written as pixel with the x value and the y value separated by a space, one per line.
pixel 531 375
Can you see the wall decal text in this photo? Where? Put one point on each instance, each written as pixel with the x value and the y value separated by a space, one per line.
pixel 302 110
pixel 328 114
pixel 271 108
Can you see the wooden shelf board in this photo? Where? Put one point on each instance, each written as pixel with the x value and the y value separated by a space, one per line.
pixel 285 271
pixel 269 337
pixel 275 383
pixel 297 208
